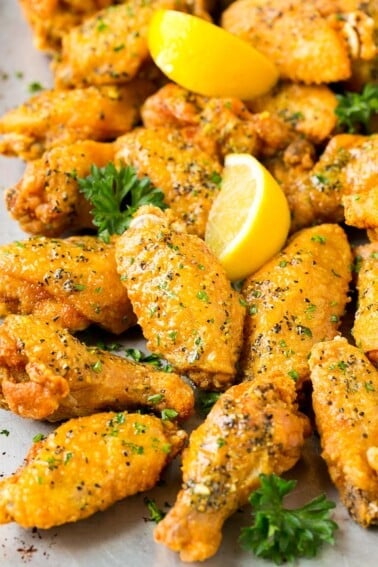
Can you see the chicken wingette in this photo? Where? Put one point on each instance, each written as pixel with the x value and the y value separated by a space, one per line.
pixel 188 177
pixel 86 465
pixel 53 117
pixel 348 166
pixel 73 281
pixel 51 19
pixel 111 46
pixel 253 428
pixel 182 297
pixel 294 35
pixel 46 373
pixel 365 327
pixel 345 401
pixel 294 301
pixel 47 201
pixel 217 125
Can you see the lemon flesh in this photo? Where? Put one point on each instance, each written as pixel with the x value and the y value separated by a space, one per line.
pixel 250 218
pixel 207 59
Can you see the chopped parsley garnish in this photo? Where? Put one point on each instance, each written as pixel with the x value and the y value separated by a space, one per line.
pixel 205 401
pixel 156 514
pixel 35 87
pixel 115 194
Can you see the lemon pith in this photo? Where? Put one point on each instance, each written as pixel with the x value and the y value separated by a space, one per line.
pixel 207 59
pixel 250 218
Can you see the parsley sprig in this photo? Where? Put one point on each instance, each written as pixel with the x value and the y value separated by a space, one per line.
pixel 115 195
pixel 354 110
pixel 281 534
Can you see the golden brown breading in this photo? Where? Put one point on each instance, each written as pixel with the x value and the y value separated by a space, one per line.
pixel 294 301
pixel 303 44
pixel 348 166
pixel 361 211
pixel 45 373
pixel 253 428
pixel 51 19
pixel 188 177
pixel 365 328
pixel 182 297
pixel 73 281
pixel 111 46
pixel 47 201
pixel 52 118
pixel 218 125
pixel 309 109
pixel 86 465
pixel 345 400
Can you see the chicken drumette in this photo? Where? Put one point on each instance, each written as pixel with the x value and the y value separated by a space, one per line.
pixel 345 400
pixel 253 428
pixel 45 373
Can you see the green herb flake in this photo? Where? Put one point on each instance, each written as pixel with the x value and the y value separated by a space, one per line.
pixel 202 295
pixel 293 374
pixel 97 366
pixel 4 432
pixel 35 87
pixel 38 437
pixel 168 414
pixel 156 514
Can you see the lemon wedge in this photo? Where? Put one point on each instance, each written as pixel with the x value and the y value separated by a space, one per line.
pixel 207 59
pixel 250 218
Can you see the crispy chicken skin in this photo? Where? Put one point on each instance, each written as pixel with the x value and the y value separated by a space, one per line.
pixel 47 201
pixel 52 118
pixel 45 373
pixel 365 328
pixel 86 465
pixel 310 109
pixel 188 177
pixel 111 46
pixel 294 301
pixel 51 19
pixel 294 35
pixel 345 401
pixel 253 428
pixel 183 300
pixel 73 281
pixel 348 166
pixel 361 211
pixel 218 125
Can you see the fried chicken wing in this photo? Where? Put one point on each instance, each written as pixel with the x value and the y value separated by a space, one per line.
pixel 111 46
pixel 73 281
pixel 294 301
pixel 345 400
pixel 310 109
pixel 54 117
pixel 47 201
pixel 86 465
pixel 45 373
pixel 365 328
pixel 188 177
pixel 183 300
pixel 303 44
pixel 253 428
pixel 51 19
pixel 218 125
pixel 348 166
